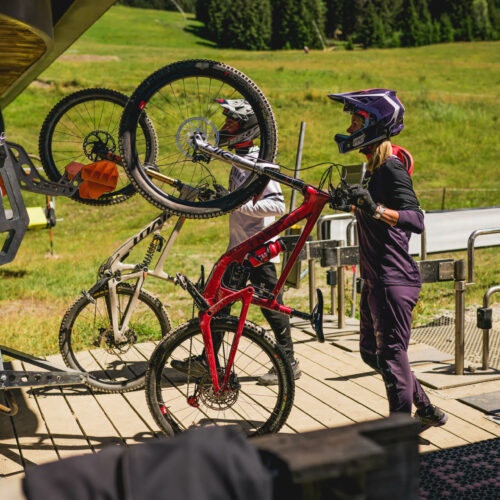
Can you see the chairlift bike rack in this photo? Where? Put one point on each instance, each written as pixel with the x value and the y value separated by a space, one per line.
pixel 18 172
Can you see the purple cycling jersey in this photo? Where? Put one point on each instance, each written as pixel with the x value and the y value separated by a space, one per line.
pixel 383 249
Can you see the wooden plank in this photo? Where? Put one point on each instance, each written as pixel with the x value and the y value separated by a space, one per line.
pixel 352 388
pixel 426 448
pixel 93 421
pixel 321 368
pixel 464 413
pixel 33 436
pixel 129 426
pixel 306 398
pixel 128 411
pixel 347 405
pixel 67 435
pixel 137 401
pixel 319 360
pixel 10 456
pixel 300 421
pixel 441 438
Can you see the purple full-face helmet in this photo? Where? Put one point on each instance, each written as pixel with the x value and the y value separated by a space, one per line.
pixel 384 117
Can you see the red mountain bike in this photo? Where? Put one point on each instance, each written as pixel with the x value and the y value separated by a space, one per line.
pixel 227 390
pixel 223 356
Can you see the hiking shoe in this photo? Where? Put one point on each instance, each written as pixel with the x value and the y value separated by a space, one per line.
pixel 270 378
pixel 430 416
pixel 195 365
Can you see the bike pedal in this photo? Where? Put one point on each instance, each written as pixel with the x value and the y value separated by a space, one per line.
pixel 262 293
pixel 317 317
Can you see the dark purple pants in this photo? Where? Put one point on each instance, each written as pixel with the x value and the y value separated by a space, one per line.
pixel 386 313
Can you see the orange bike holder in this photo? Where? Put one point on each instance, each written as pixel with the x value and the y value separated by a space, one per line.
pixel 98 178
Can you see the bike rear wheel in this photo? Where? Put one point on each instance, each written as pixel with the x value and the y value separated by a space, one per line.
pixel 83 128
pixel 172 395
pixel 180 99
pixel 87 342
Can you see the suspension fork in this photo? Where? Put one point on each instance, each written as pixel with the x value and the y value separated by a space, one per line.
pixel 112 307
pixel 205 318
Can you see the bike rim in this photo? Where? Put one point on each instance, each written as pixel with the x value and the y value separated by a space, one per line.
pixel 95 349
pixel 87 132
pixel 252 407
pixel 179 107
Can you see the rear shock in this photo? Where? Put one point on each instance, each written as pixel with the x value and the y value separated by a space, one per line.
pixel 155 246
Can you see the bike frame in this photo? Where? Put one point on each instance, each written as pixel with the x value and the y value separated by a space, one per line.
pixel 114 268
pixel 216 294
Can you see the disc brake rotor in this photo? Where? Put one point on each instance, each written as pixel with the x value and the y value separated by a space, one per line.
pixel 188 128
pixel 107 341
pixel 224 399
pixel 98 144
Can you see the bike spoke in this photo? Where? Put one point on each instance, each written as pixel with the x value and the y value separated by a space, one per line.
pixel 247 404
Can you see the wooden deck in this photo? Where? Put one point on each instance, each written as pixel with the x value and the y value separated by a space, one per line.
pixel 336 389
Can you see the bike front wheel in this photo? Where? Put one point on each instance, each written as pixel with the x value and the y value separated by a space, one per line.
pixel 87 342
pixel 179 388
pixel 83 128
pixel 183 99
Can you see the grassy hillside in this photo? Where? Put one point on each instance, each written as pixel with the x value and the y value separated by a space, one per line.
pixel 452 111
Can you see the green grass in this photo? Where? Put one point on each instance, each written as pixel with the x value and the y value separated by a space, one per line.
pixel 450 93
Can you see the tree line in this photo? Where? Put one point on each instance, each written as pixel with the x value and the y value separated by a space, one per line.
pixel 295 24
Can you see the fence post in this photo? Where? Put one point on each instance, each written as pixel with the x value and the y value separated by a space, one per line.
pixel 298 161
pixel 460 286
pixel 340 291
pixel 486 331
pixel 423 246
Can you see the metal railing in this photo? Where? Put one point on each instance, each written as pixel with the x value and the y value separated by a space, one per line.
pixel 327 218
pixel 470 250
pixel 486 332
pixel 463 276
pixel 320 234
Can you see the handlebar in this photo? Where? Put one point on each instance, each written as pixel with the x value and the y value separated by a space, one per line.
pixel 270 170
pixel 339 196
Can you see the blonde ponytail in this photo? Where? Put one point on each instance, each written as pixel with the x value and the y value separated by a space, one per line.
pixel 380 153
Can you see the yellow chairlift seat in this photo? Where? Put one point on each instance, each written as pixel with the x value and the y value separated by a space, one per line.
pixel 39 218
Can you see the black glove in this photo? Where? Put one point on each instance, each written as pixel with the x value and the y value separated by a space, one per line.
pixel 361 198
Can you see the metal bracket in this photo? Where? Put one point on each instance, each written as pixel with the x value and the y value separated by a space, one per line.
pixel 11 378
pixel 338 256
pixel 31 180
pixel 432 271
pixel 17 224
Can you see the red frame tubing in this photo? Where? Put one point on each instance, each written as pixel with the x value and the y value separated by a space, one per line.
pixel 218 296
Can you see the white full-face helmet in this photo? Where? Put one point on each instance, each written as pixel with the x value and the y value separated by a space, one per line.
pixel 247 128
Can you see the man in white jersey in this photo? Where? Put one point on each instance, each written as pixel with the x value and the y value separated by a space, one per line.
pixel 238 133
